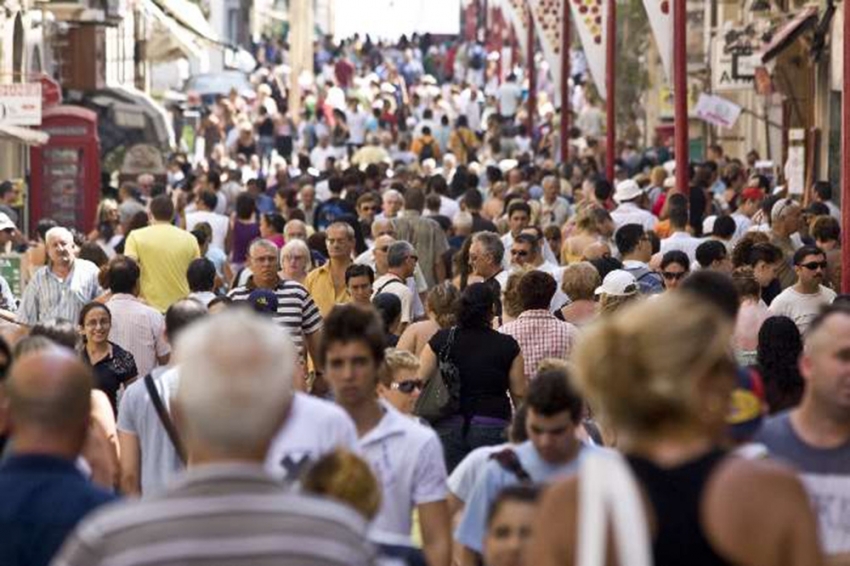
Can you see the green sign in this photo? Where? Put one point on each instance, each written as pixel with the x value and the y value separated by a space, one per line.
pixel 10 269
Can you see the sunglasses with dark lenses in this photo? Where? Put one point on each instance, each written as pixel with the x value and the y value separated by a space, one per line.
pixel 520 253
pixel 407 387
pixel 672 276
pixel 812 265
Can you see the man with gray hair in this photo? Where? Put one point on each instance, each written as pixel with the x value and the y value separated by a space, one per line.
pixel 554 209
pixel 61 288
pixel 486 255
pixel 226 509
pixel 401 262
pixel 296 311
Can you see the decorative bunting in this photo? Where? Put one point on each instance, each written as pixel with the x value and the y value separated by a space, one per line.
pixel 589 19
pixel 660 14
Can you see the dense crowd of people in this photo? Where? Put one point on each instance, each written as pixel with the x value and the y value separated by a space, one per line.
pixel 376 332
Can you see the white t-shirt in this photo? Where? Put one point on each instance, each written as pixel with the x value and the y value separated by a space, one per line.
pixel 407 459
pixel 683 242
pixel 799 307
pixel 466 474
pixel 390 283
pixel 510 95
pixel 356 126
pixel 219 223
pixel 314 428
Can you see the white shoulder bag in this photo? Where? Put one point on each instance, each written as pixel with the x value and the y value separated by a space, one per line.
pixel 609 495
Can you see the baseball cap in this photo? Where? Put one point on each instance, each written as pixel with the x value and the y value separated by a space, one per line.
pixel 627 190
pixel 6 222
pixel 752 193
pixel 746 408
pixel 263 301
pixel 619 283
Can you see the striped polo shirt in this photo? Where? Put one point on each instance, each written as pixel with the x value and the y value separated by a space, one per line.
pixel 221 515
pixel 296 311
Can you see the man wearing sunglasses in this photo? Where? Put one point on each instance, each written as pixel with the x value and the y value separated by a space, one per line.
pixel 802 301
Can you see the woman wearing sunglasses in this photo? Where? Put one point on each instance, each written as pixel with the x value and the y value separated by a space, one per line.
pixel 398 383
pixel 675 266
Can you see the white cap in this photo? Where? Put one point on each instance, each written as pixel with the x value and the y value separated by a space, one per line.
pixel 619 283
pixel 627 190
pixel 6 222
pixel 708 224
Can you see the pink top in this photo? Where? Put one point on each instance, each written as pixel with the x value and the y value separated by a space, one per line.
pixel 751 316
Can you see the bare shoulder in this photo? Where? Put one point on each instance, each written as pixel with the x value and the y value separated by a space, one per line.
pixel 555 527
pixel 757 478
pixel 757 512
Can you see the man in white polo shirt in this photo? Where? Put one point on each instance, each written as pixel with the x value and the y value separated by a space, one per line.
pixel 406 457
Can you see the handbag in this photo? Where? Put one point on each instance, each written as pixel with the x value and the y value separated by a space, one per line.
pixel 440 398
pixel 609 497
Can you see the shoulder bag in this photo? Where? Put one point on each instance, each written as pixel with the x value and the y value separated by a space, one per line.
pixel 440 398
pixel 609 499
pixel 165 418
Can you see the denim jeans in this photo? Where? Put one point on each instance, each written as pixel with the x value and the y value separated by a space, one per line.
pixel 461 436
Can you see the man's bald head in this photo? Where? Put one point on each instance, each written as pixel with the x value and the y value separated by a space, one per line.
pixel 50 392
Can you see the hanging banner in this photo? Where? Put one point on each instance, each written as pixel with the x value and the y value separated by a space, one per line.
pixel 589 19
pixel 660 14
pixel 516 13
pixel 547 25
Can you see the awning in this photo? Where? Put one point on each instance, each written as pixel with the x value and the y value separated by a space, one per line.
pixel 189 15
pixel 23 135
pixel 169 40
pixel 789 33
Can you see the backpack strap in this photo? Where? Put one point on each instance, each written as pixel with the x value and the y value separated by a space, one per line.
pixel 165 419
pixel 388 283
pixel 509 461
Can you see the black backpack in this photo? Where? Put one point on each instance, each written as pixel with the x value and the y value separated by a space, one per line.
pixel 427 151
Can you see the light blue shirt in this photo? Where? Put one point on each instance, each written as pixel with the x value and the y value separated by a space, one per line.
pixel 473 525
pixel 47 297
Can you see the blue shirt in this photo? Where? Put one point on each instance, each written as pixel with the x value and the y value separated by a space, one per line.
pixel 472 528
pixel 42 498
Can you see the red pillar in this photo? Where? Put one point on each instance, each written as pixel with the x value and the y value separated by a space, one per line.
pixel 532 75
pixel 565 82
pixel 610 84
pixel 680 96
pixel 845 160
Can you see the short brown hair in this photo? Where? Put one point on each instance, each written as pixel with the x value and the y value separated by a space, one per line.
pixel 351 323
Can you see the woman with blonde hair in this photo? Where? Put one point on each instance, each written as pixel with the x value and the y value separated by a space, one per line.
pixel 587 231
pixel 441 307
pixel 661 374
pixel 579 282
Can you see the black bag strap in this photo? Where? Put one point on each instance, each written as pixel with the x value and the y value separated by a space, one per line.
pixel 446 350
pixel 509 461
pixel 164 418
pixel 388 283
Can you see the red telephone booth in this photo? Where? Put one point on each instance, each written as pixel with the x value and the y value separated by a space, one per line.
pixel 65 172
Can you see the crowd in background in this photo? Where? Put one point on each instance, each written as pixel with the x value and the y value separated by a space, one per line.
pixel 319 277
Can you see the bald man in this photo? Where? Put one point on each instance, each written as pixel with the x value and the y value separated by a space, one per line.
pixel 44 494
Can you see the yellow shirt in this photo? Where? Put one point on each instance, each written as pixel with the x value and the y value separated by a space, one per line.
pixel 320 284
pixel 164 253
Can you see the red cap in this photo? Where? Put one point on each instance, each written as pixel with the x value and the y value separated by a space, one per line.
pixel 752 193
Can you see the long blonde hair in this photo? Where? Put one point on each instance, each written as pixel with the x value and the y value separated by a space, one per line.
pixel 644 368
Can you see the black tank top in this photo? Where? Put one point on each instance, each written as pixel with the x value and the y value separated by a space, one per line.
pixel 676 498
